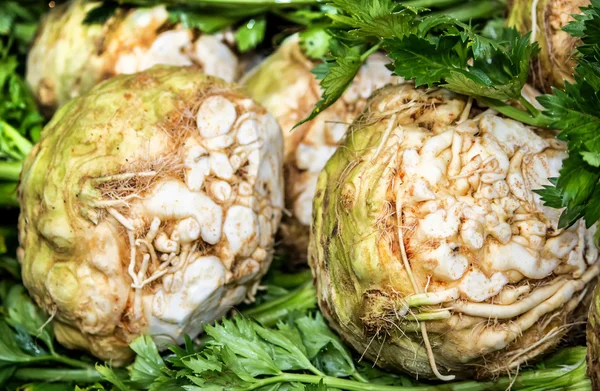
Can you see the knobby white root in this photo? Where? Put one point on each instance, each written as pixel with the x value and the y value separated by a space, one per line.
pixel 125 222
pixel 139 279
pixel 510 295
pixel 416 288
pixel 433 298
pixel 385 137
pixel 499 311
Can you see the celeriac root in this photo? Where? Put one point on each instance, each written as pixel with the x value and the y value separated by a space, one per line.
pixel 499 311
pixel 430 355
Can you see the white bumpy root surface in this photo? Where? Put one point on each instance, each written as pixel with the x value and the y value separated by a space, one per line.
pixel 427 214
pixel 166 215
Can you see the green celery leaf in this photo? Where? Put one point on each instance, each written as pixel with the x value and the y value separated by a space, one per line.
pixel 332 363
pixel 494 29
pixel 5 285
pixel 6 371
pixel 320 70
pixel 218 381
pixel 587 27
pixel 575 111
pixel 286 353
pixel 19 116
pixel 577 180
pixel 188 350
pixel 316 335
pixel 570 215
pixel 498 72
pixel 375 18
pixel 426 62
pixel 101 13
pixel 6 22
pixel 470 83
pixel 23 312
pixel 378 376
pixel 148 364
pixel 292 333
pixel 592 207
pixel 338 78
pixel 551 195
pixel 164 383
pixel 239 337
pixel 109 375
pixel 251 34
pixel 310 17
pixel 198 363
pixel 591 158
pixel 205 22
pixel 236 366
pixel 9 347
pixel 27 343
pixel 315 42
pixel 577 27
pixel 485 47
pixel 324 347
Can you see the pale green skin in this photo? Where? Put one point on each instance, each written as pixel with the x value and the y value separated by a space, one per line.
pixel 64 60
pixel 57 231
pixel 361 281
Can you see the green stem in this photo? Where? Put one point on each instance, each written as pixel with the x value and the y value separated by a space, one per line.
pixel 71 362
pixel 344 384
pixel 10 171
pixel 60 359
pixel 22 144
pixel 358 377
pixel 430 3
pixel 292 17
pixel 300 299
pixel 234 3
pixel 532 109
pixel 539 120
pixel 472 10
pixel 89 375
pixel 290 280
pixel 8 194
pixel 372 50
pixel 531 378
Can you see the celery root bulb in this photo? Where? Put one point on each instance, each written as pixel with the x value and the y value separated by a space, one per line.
pixel 68 56
pixel 285 85
pixel 149 206
pixel 593 340
pixel 431 251
pixel 546 18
